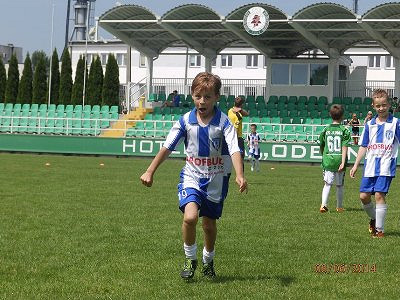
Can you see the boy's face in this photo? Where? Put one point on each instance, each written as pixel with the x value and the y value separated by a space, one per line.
pixel 381 106
pixel 204 101
pixel 253 129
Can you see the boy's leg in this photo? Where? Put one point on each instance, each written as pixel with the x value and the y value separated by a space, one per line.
pixel 329 178
pixel 190 218
pixel 258 163
pixel 210 235
pixel 252 163
pixel 381 209
pixel 339 191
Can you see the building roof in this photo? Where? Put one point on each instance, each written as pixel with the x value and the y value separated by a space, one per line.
pixel 329 27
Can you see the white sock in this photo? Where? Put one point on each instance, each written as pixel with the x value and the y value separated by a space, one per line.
pixel 370 210
pixel 257 165
pixel 380 216
pixel 208 256
pixel 252 164
pixel 339 196
pixel 190 251
pixel 325 194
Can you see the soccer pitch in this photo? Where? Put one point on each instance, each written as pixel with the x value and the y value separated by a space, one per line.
pixel 76 229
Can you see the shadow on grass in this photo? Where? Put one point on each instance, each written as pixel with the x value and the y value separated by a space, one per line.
pixel 353 209
pixel 284 280
pixel 392 233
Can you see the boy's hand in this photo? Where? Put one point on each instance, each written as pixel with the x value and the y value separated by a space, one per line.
pixel 341 167
pixel 242 183
pixel 353 171
pixel 147 179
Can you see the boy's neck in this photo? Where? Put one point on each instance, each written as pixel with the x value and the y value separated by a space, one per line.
pixel 382 119
pixel 335 122
pixel 204 121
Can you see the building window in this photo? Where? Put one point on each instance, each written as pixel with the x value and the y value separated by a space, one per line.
pixel 299 74
pixel 194 60
pixel 226 61
pixel 89 58
pixel 374 61
pixel 142 61
pixel 104 58
pixel 265 61
pixel 280 74
pixel 389 62
pixel 159 89
pixel 227 90
pixel 121 59
pixel 252 61
pixel 214 62
pixel 318 74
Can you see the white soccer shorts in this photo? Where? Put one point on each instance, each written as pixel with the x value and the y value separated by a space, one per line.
pixel 336 178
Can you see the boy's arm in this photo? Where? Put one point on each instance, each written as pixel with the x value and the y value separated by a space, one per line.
pixel 361 152
pixel 344 157
pixel 238 166
pixel 244 113
pixel 147 177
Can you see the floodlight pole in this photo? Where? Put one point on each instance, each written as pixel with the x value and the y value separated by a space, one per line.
pixel 86 46
pixel 355 6
pixel 51 54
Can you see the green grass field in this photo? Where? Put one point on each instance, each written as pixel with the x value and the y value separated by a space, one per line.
pixel 76 229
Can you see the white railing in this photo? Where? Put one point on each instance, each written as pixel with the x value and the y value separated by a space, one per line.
pixel 362 88
pixel 148 128
pixel 133 92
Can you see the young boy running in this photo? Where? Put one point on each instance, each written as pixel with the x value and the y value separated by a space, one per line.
pixel 254 151
pixel 379 143
pixel 334 141
pixel 211 147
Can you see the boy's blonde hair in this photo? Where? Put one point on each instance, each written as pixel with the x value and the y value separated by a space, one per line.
pixel 336 112
pixel 380 93
pixel 206 81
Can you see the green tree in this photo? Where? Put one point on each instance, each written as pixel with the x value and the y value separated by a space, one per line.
pixel 55 78
pixel 65 78
pixel 25 85
pixel 36 56
pixel 40 82
pixel 3 81
pixel 12 80
pixel 77 88
pixel 95 83
pixel 111 82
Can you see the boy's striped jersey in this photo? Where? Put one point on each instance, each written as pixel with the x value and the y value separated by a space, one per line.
pixel 382 142
pixel 208 150
pixel 253 140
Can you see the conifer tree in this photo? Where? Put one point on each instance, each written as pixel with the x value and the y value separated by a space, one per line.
pixel 40 82
pixel 95 82
pixel 12 80
pixel 77 88
pixel 111 82
pixel 3 81
pixel 55 78
pixel 25 85
pixel 65 78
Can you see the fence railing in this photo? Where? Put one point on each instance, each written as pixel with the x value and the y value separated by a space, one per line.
pixel 362 88
pixel 148 129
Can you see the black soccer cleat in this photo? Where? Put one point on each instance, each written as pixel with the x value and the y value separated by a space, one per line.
pixel 208 270
pixel 189 267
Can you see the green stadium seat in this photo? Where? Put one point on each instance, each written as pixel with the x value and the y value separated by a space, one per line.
pixel 271 105
pixel 286 120
pixel 323 99
pixel 265 120
pixel 52 107
pixel 293 113
pixel 337 100
pixel 312 99
pixel 103 109
pixel 301 106
pixel 114 116
pixel 314 114
pixel 9 107
pixel 283 99
pixel 261 105
pixel 283 113
pixel 153 97
pixel 273 113
pixel 292 106
pixel 325 114
pixel 346 100
pixel 303 113
pixel 251 105
pixel 292 99
pixel 317 121
pixel 17 107
pixel 273 99
pixel 302 99
pixel 222 98
pixel 357 100
pixel 60 107
pixel 161 97
pixel 251 99
pixel 260 99
pixel 114 109
pixel 296 120
pixel 367 101
pixel 1 108
pixel 321 106
pixel 87 108
pixel 311 107
pixel 275 120
pixel 166 110
pixel 175 110
pixel 308 121
pixel 326 121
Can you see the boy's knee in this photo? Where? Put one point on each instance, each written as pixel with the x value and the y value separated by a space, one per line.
pixel 365 198
pixel 190 219
pixel 379 197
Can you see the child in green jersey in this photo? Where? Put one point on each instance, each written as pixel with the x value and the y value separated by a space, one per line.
pixel 334 140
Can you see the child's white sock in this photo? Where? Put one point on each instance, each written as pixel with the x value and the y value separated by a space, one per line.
pixel 325 194
pixel 339 196
pixel 208 256
pixel 370 210
pixel 252 164
pixel 380 216
pixel 190 251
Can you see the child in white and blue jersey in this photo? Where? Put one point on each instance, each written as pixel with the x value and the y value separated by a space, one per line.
pixel 379 143
pixel 211 148
pixel 254 150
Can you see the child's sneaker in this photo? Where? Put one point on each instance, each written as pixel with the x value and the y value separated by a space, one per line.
pixel 208 270
pixel 372 228
pixel 252 169
pixel 188 268
pixel 378 235
pixel 323 209
pixel 339 209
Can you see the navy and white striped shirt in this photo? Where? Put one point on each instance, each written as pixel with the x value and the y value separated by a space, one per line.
pixel 208 150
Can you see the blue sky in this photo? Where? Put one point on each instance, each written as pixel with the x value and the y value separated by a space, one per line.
pixel 27 23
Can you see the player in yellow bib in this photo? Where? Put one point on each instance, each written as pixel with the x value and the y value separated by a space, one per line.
pixel 236 114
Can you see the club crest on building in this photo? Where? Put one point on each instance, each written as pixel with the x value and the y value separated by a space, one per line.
pixel 256 20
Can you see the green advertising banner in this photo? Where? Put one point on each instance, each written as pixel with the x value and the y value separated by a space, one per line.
pixel 270 151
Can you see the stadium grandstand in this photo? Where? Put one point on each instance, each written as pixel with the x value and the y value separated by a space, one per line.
pixel 307 68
